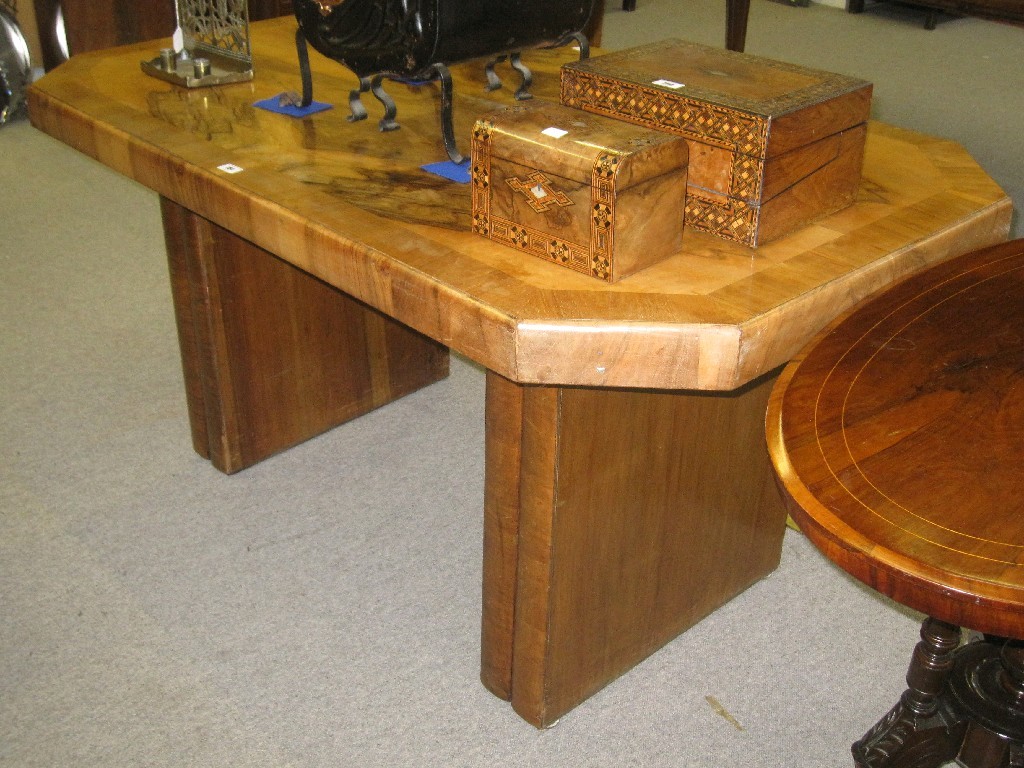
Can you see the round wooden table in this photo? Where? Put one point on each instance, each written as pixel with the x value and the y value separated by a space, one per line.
pixel 897 437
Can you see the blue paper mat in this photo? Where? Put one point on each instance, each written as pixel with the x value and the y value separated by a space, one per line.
pixel 450 170
pixel 446 169
pixel 273 104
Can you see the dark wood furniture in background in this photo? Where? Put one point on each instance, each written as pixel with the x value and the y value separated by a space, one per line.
pixel 92 25
pixel 103 24
pixel 595 25
pixel 897 438
pixel 736 13
pixel 46 20
pixel 1000 10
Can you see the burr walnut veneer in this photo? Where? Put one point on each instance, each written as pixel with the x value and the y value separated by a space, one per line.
pixel 318 272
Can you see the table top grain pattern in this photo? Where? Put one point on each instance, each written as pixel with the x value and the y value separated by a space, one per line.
pixel 898 435
pixel 351 206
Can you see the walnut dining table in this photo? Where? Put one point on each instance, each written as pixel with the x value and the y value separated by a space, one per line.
pixel 318 273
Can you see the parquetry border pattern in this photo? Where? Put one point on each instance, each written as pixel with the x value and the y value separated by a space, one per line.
pixel 743 136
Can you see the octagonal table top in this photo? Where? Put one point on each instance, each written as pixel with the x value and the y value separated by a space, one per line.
pixel 352 206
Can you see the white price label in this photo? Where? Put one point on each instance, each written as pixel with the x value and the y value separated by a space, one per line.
pixel 668 84
pixel 555 133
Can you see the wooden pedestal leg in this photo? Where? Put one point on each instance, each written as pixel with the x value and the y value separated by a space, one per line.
pixel 615 519
pixel 272 356
pixel 987 689
pixel 736 14
pixel 503 455
pixel 1012 682
pixel 920 731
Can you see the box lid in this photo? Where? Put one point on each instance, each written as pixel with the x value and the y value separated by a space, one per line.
pixel 667 72
pixel 569 142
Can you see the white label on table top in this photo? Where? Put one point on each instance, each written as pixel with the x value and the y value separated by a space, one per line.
pixel 668 84
pixel 554 133
pixel 230 168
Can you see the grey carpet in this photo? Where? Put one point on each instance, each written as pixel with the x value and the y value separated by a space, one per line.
pixel 322 608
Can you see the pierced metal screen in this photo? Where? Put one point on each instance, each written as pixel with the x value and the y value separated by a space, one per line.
pixel 215 26
pixel 214 47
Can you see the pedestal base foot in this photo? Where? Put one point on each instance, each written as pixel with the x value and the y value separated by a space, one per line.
pixel 964 704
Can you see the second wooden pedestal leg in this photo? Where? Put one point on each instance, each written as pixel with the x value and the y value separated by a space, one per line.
pixel 921 731
pixel 614 520
pixel 736 14
pixel 272 356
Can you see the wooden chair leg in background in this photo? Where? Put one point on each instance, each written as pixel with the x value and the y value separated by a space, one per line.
pixel 736 13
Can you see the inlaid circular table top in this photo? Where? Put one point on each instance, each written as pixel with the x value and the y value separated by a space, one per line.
pixel 898 438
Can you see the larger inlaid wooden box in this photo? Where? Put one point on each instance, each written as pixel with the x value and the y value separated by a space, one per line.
pixel 595 195
pixel 773 146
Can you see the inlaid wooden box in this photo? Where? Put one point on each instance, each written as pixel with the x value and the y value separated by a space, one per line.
pixel 595 195
pixel 773 146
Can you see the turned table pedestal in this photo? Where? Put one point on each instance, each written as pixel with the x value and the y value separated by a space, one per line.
pixel 897 436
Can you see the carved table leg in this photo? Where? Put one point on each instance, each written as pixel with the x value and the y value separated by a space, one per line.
pixel 920 731
pixel 988 687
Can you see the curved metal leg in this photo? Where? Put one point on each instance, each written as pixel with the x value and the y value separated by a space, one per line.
pixel 526 77
pixel 355 102
pixel 302 50
pixel 388 122
pixel 447 127
pixel 493 81
pixel 581 40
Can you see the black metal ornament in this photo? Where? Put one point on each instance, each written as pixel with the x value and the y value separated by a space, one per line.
pixel 416 40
